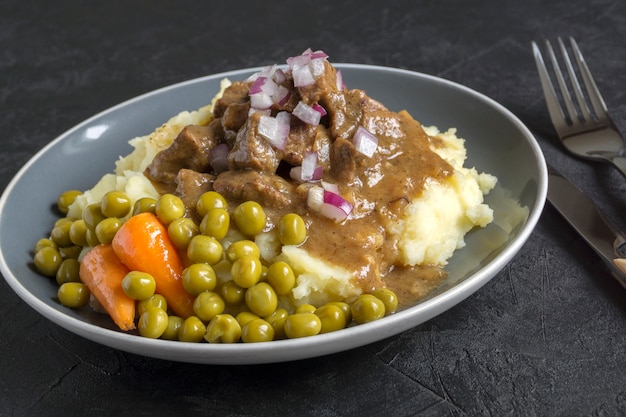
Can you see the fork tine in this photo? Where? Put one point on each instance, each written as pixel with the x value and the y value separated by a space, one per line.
pixel 567 98
pixel 595 97
pixel 580 98
pixel 554 108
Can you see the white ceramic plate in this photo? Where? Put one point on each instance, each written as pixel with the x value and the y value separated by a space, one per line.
pixel 496 140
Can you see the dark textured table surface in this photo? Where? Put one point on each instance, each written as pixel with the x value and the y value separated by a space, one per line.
pixel 545 337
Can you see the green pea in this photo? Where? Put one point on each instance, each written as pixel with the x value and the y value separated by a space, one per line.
pixel 203 248
pixel 115 204
pixel 223 328
pixel 210 200
pixel 302 325
pixel 171 331
pixel 144 205
pixel 152 323
pixel 215 223
pixel 199 277
pixel 367 308
pixel 250 218
pixel 92 215
pixel 156 301
pixel 139 285
pixel 66 199
pixel 232 293
pixel 92 238
pixel 246 271
pixel 345 307
pixel 48 260
pixel 61 221
pixel 331 317
pixel 78 233
pixel 305 308
pixel 207 305
pixel 257 330
pixel 169 207
pixel 291 229
pixel 70 252
pixel 243 317
pixel 73 294
pixel 181 231
pixel 389 299
pixel 281 277
pixel 60 234
pixel 242 248
pixel 277 320
pixel 68 271
pixel 261 299
pixel 192 330
pixel 44 243
pixel 107 228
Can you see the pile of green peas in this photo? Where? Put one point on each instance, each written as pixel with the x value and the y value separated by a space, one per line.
pixel 238 296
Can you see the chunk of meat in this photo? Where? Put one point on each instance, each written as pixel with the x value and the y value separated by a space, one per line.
pixel 191 149
pixel 190 185
pixel 346 109
pixel 324 84
pixel 267 189
pixel 251 150
pixel 300 140
pixel 343 160
pixel 233 119
pixel 237 92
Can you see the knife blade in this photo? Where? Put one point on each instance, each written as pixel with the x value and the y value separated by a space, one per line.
pixel 586 218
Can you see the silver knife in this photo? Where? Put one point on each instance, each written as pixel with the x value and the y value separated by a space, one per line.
pixel 586 218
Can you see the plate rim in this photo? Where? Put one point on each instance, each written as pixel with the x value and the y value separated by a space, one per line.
pixel 257 353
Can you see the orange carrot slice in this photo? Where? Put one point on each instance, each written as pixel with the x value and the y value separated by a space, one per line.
pixel 142 244
pixel 102 272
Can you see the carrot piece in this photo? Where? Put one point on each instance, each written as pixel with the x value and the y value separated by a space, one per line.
pixel 102 272
pixel 142 244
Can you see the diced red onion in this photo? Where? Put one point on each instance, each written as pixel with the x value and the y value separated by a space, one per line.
pixel 329 186
pixel 280 76
pixel 261 101
pixel 275 130
pixel 302 76
pixel 284 118
pixel 298 61
pixel 365 142
pixel 317 67
pixel 257 85
pixel 282 95
pixel 335 207
pixel 307 114
pixel 296 174
pixel 309 164
pixel 339 78
pixel 218 158
pixel 328 204
pixel 321 110
pixel 315 198
pixel 319 54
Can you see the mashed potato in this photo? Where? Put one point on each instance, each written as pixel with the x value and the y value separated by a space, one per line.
pixel 436 222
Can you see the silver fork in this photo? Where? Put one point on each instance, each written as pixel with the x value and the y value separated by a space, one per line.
pixel 586 131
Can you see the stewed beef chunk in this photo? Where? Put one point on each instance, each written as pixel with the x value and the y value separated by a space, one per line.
pixel 190 185
pixel 191 149
pixel 237 92
pixel 269 190
pixel 251 150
